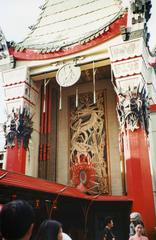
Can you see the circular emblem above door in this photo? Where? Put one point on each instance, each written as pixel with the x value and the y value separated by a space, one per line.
pixel 68 75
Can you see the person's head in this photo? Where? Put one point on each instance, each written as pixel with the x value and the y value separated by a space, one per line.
pixel 50 229
pixel 139 227
pixel 16 220
pixel 109 222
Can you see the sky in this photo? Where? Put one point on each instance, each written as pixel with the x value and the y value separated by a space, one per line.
pixel 17 15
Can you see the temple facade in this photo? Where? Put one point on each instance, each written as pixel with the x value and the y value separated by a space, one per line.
pixel 80 94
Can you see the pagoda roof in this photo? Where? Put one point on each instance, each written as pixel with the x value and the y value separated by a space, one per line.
pixel 65 24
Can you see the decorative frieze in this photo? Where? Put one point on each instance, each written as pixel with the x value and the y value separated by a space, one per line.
pixel 17 103
pixel 19 91
pixel 130 82
pixel 16 75
pixel 130 67
pixel 126 50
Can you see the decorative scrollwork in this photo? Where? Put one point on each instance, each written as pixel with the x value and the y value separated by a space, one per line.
pixel 18 126
pixel 133 109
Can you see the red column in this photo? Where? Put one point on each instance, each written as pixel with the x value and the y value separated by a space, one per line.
pixel 139 181
pixel 16 158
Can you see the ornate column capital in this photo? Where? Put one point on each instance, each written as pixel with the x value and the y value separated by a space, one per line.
pixel 19 125
pixel 133 109
pixel 133 75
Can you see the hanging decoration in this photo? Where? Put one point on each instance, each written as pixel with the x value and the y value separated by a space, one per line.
pixel 77 97
pixel 44 92
pixel 94 88
pixel 60 99
pixel 44 97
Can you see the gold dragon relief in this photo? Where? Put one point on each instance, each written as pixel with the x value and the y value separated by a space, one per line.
pixel 88 155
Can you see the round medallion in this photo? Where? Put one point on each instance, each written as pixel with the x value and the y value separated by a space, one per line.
pixel 68 75
pixel 83 175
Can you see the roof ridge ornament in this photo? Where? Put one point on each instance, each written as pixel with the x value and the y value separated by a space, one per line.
pixel 138 16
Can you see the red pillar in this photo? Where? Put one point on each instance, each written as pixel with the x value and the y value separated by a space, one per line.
pixel 139 181
pixel 16 158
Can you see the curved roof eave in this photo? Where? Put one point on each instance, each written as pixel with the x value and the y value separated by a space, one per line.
pixel 110 32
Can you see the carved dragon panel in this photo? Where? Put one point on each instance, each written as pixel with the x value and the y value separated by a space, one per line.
pixel 88 157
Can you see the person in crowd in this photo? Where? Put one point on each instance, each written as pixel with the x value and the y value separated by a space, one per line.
pixel 50 230
pixel 16 220
pixel 139 231
pixel 134 216
pixel 108 233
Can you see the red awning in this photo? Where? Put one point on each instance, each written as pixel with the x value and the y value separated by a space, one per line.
pixel 22 181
